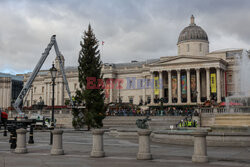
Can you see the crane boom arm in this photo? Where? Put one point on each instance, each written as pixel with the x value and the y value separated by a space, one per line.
pixel 33 75
pixel 58 54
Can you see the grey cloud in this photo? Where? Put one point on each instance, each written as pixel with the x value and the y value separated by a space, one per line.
pixel 131 29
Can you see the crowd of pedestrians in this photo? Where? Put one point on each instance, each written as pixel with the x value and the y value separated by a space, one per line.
pixel 170 111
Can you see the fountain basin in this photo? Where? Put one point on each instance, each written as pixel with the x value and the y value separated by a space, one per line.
pixel 185 137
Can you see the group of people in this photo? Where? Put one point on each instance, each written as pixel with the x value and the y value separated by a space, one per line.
pixel 187 123
pixel 170 111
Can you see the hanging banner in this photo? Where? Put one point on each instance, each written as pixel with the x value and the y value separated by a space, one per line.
pixel 156 86
pixel 213 83
pixel 107 93
pixel 193 82
pixel 174 86
pixel 183 84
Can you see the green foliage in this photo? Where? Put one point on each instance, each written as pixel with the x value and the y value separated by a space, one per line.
pixel 89 66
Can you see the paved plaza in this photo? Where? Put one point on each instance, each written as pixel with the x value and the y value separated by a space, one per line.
pixel 119 152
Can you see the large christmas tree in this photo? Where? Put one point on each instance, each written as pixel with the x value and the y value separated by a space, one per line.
pixel 89 69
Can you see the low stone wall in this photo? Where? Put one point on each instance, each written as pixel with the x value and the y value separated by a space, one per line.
pixel 213 138
pixel 156 123
pixel 63 117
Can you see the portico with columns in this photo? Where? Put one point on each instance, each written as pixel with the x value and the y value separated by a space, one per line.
pixel 180 88
pixel 190 78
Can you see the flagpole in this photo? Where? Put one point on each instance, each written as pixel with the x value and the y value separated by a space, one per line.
pixel 102 54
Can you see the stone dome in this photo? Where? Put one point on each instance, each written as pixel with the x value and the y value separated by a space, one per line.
pixel 192 33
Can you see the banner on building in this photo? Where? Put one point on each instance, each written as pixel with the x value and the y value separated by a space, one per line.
pixel 107 93
pixel 183 84
pixel 156 86
pixel 193 82
pixel 213 83
pixel 174 86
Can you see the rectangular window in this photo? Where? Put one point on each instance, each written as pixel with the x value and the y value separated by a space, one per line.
pixel 141 100
pixel 148 99
pixel 130 84
pixel 131 99
pixel 230 78
pixel 42 89
pixel 187 47
pixel 200 47
pixel 148 82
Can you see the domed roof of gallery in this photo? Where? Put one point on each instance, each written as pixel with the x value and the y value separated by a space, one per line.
pixel 192 33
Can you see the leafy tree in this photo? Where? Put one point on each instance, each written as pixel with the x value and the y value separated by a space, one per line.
pixel 89 66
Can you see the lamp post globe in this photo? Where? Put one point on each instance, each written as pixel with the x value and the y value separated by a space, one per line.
pixel 53 72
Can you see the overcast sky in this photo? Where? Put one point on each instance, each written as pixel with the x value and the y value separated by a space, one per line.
pixel 131 29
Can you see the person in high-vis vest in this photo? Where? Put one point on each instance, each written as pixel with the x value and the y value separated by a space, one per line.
pixel 181 123
pixel 189 123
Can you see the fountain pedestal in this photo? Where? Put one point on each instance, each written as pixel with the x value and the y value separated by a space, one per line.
pixel 200 147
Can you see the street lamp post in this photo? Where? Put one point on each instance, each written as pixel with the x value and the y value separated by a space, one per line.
pixel 119 96
pixel 53 72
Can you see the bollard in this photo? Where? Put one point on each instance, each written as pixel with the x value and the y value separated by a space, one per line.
pixel 31 139
pixel 144 145
pixel 21 141
pixel 97 148
pixel 200 147
pixel 5 129
pixel 11 135
pixel 57 146
pixel 13 138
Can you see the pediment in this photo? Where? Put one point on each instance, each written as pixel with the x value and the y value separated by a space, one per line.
pixel 183 60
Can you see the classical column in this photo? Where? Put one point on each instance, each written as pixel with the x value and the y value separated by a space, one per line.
pixel 223 83
pixel 169 87
pixel 44 93
pixel 4 93
pixel 8 94
pixel 144 90
pixel 160 84
pixel 188 87
pixel 62 93
pixel 152 87
pixel 198 88
pixel 49 94
pixel 1 95
pixel 179 85
pixel 218 85
pixel 110 90
pixel 59 93
pixel 208 82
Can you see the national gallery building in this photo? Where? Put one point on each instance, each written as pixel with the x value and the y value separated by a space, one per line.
pixel 192 77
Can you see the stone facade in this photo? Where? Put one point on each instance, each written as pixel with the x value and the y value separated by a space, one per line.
pixel 10 87
pixel 185 79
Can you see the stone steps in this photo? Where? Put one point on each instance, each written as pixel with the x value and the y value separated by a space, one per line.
pixel 232 120
pixel 157 122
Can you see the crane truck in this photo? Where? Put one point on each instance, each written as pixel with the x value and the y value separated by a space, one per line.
pixel 20 115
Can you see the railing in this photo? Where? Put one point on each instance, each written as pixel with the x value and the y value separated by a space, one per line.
pixel 13 114
pixel 224 110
